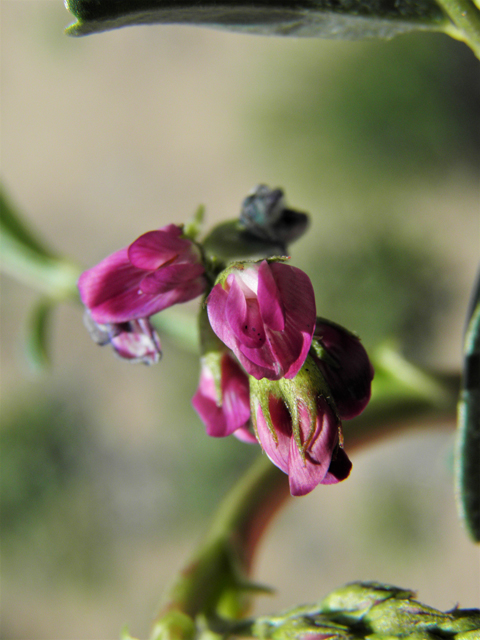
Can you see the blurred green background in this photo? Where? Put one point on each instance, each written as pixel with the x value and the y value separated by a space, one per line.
pixel 107 478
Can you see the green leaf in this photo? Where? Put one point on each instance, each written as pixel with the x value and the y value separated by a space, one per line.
pixel 467 460
pixel 367 611
pixel 12 225
pixel 348 19
pixel 38 334
pixel 26 258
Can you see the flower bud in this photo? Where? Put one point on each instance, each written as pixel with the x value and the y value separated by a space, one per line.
pixel 222 399
pixel 265 313
pixel 158 270
pixel 265 216
pixel 297 427
pixel 136 341
pixel 344 362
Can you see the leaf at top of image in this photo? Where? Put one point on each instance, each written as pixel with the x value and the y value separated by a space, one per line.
pixel 339 19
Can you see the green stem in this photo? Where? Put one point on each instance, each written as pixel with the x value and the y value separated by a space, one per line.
pixel 466 19
pixel 221 564
pixel 215 582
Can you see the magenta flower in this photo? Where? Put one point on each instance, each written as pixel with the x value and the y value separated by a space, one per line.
pixel 222 399
pixel 265 313
pixel 136 341
pixel 156 271
pixel 299 429
pixel 344 362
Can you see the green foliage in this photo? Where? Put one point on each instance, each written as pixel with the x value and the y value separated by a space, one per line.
pixel 467 461
pixel 26 258
pixel 396 111
pixel 368 610
pixel 38 333
pixel 383 286
pixel 50 496
pixel 41 448
pixel 320 18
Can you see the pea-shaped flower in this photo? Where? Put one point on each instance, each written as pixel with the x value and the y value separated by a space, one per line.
pixel 222 399
pixel 265 313
pixel 158 270
pixel 299 430
pixel 342 359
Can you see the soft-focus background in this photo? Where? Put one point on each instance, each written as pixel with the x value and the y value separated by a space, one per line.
pixel 107 476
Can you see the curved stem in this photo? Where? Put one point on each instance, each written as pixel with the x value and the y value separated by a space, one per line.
pixel 215 582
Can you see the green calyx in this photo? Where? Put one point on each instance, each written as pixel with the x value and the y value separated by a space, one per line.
pixel 302 390
pixel 244 264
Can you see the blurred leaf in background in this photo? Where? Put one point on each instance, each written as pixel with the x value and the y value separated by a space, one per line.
pixel 359 135
pixel 395 112
pixel 384 285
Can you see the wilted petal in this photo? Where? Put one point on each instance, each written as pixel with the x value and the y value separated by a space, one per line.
pixel 138 342
pixel 339 469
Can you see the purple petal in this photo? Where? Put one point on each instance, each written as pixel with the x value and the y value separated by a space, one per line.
pixel 291 346
pixel 230 412
pixel 351 374
pixel 216 309
pixel 103 287
pixel 244 434
pixel 278 452
pixel 269 299
pixel 139 342
pixel 205 403
pixel 236 317
pixel 306 474
pixel 170 277
pixel 284 352
pixel 154 248
pixel 260 363
pixel 235 394
pixel 216 305
pixel 325 438
pixel 243 316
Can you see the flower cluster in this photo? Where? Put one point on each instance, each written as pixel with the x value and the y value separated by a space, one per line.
pixel 271 371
